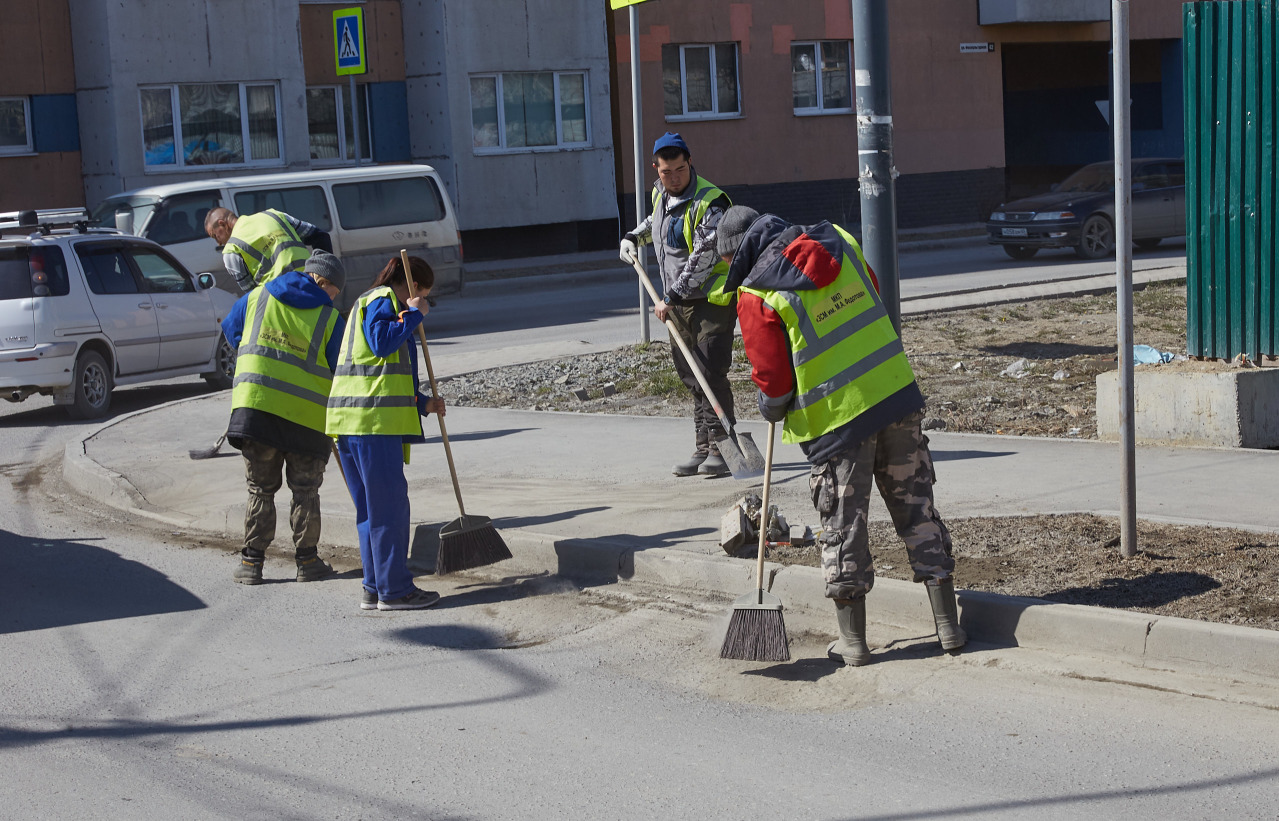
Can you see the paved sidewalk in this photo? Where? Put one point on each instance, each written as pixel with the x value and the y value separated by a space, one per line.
pixel 591 496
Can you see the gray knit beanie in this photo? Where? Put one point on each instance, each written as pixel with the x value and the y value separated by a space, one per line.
pixel 732 227
pixel 323 264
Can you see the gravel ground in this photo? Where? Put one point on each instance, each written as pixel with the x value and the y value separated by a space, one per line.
pixel 1025 369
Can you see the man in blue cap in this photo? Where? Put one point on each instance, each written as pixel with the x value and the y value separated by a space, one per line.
pixel 686 211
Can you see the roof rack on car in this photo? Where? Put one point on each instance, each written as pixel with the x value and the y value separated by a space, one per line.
pixel 44 220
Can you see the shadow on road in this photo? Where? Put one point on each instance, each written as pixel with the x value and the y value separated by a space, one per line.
pixel 55 583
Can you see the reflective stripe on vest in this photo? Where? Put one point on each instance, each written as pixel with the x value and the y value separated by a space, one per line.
pixel 845 353
pixel 280 365
pixel 371 394
pixel 268 245
pixel 704 193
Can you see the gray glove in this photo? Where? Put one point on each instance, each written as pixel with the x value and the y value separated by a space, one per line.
pixel 628 251
pixel 774 410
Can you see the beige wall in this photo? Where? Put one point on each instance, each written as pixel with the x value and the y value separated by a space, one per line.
pixel 947 106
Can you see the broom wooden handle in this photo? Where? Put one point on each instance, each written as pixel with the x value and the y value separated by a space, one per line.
pixel 763 511
pixel 683 347
pixel 430 374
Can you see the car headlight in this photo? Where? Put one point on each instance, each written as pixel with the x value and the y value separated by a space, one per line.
pixel 998 216
pixel 1055 215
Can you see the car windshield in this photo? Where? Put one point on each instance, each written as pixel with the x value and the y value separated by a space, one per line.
pixel 104 214
pixel 1091 178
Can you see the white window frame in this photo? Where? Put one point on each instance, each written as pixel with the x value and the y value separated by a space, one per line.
pixel 29 147
pixel 714 113
pixel 179 161
pixel 560 143
pixel 366 134
pixel 819 110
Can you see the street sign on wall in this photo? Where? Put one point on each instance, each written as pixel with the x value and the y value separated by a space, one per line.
pixel 348 42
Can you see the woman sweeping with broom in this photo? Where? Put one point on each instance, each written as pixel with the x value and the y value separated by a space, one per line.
pixel 375 413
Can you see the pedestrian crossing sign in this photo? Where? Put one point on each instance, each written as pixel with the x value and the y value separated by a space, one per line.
pixel 348 41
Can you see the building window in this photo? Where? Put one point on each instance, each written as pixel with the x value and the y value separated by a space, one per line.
pixel 543 109
pixel 328 121
pixel 15 126
pixel 215 124
pixel 828 91
pixel 700 81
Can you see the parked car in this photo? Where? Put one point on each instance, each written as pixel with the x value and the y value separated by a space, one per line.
pixel 83 310
pixel 370 213
pixel 1079 212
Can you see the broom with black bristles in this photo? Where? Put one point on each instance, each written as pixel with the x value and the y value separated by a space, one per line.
pixel 467 541
pixel 757 631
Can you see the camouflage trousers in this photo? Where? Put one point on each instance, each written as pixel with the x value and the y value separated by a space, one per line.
pixel 897 458
pixel 707 329
pixel 265 469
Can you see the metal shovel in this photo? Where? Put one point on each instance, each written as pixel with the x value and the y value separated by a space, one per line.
pixel 739 450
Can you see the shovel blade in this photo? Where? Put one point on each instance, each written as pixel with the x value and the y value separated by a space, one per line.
pixel 741 455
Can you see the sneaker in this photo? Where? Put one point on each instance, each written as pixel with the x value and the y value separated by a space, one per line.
pixel 248 571
pixel 417 600
pixel 689 466
pixel 714 466
pixel 313 568
pixel 368 600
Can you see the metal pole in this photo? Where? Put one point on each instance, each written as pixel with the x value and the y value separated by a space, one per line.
pixel 637 120
pixel 876 173
pixel 355 120
pixel 1123 285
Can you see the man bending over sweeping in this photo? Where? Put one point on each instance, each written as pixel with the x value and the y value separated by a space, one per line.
pixel 829 364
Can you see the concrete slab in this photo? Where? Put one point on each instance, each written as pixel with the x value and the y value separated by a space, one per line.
pixel 1179 406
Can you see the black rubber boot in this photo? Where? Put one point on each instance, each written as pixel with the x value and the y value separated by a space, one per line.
pixel 851 647
pixel 312 568
pixel 690 465
pixel 249 570
pixel 941 595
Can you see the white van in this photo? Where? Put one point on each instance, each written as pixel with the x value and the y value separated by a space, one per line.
pixel 370 213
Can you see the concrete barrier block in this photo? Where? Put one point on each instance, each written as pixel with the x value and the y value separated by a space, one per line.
pixel 1194 404
pixel 692 571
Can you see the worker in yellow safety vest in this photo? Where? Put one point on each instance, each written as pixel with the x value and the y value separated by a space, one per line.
pixel 830 366
pixel 257 248
pixel 686 209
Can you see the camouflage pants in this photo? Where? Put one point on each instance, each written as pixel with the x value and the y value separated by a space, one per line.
pixel 707 329
pixel 898 459
pixel 265 469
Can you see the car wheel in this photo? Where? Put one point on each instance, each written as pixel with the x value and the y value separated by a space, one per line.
pixel 1020 251
pixel 1097 240
pixel 1148 243
pixel 92 387
pixel 224 376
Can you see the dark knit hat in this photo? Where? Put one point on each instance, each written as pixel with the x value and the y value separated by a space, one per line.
pixel 323 264
pixel 732 227
pixel 670 140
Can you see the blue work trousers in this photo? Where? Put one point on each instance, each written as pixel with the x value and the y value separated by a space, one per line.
pixel 374 469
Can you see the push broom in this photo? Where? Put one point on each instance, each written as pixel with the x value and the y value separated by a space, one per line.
pixel 757 631
pixel 467 541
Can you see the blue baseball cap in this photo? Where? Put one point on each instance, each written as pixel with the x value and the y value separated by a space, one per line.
pixel 670 140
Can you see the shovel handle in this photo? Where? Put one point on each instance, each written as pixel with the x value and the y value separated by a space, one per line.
pixel 430 374
pixel 763 512
pixel 683 347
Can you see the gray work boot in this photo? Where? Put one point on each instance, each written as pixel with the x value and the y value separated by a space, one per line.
pixel 249 570
pixel 312 568
pixel 690 465
pixel 941 595
pixel 714 465
pixel 851 647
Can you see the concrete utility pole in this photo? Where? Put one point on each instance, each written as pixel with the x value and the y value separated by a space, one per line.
pixel 876 173
pixel 1123 273
pixel 637 119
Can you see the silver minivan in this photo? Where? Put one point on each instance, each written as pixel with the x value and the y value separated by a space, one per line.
pixel 370 213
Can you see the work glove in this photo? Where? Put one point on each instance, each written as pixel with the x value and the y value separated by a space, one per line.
pixel 628 251
pixel 774 410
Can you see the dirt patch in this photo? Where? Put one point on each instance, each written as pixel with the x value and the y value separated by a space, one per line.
pixel 1025 369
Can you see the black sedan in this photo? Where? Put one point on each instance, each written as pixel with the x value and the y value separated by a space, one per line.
pixel 1079 212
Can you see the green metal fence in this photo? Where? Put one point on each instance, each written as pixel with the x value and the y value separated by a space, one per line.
pixel 1232 88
